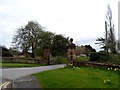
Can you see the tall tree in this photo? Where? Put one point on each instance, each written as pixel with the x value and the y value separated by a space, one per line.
pixel 109 41
pixel 110 31
pixel 59 45
pixel 21 40
pixel 26 37
pixel 45 37
pixel 118 46
pixel 101 42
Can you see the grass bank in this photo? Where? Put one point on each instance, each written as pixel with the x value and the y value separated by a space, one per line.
pixel 83 77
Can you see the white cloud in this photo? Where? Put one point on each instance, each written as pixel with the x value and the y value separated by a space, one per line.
pixel 81 20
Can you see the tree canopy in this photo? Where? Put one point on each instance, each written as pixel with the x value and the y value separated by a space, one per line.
pixel 59 46
pixel 32 38
pixel 26 37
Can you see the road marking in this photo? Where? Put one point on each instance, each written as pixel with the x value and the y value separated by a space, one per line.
pixel 5 85
pixel 2 85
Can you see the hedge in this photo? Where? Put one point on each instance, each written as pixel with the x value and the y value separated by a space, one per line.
pixel 99 56
pixel 105 57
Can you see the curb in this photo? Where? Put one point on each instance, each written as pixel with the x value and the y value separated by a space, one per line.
pixel 6 85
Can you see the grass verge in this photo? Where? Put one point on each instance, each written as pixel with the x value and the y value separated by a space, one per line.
pixel 7 64
pixel 78 77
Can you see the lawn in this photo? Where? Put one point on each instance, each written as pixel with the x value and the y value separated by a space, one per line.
pixel 7 64
pixel 75 77
pixel 80 58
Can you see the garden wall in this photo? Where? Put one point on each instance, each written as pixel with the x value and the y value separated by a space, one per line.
pixel 21 60
pixel 96 64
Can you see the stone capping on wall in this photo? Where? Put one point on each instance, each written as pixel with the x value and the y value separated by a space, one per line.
pixel 82 63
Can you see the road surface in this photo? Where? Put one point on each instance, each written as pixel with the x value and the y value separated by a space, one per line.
pixel 21 77
pixel 16 73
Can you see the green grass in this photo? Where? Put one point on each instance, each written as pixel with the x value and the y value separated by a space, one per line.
pixel 63 60
pixel 7 64
pixel 83 77
pixel 58 60
pixel 80 58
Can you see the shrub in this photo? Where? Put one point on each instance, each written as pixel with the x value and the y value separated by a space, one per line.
pixel 105 57
pixel 99 56
pixel 5 52
pixel 58 60
pixel 115 58
pixel 81 58
pixel 94 57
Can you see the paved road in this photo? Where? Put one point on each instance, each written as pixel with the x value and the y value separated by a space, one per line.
pixel 16 73
pixel 26 82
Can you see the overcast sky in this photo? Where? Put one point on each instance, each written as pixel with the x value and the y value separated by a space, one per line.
pixel 82 20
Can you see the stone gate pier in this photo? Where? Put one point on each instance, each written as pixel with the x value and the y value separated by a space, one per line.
pixel 71 53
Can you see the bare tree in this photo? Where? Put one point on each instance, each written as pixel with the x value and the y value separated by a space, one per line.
pixel 26 38
pixel 109 41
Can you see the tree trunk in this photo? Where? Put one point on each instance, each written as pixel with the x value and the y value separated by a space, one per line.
pixel 33 51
